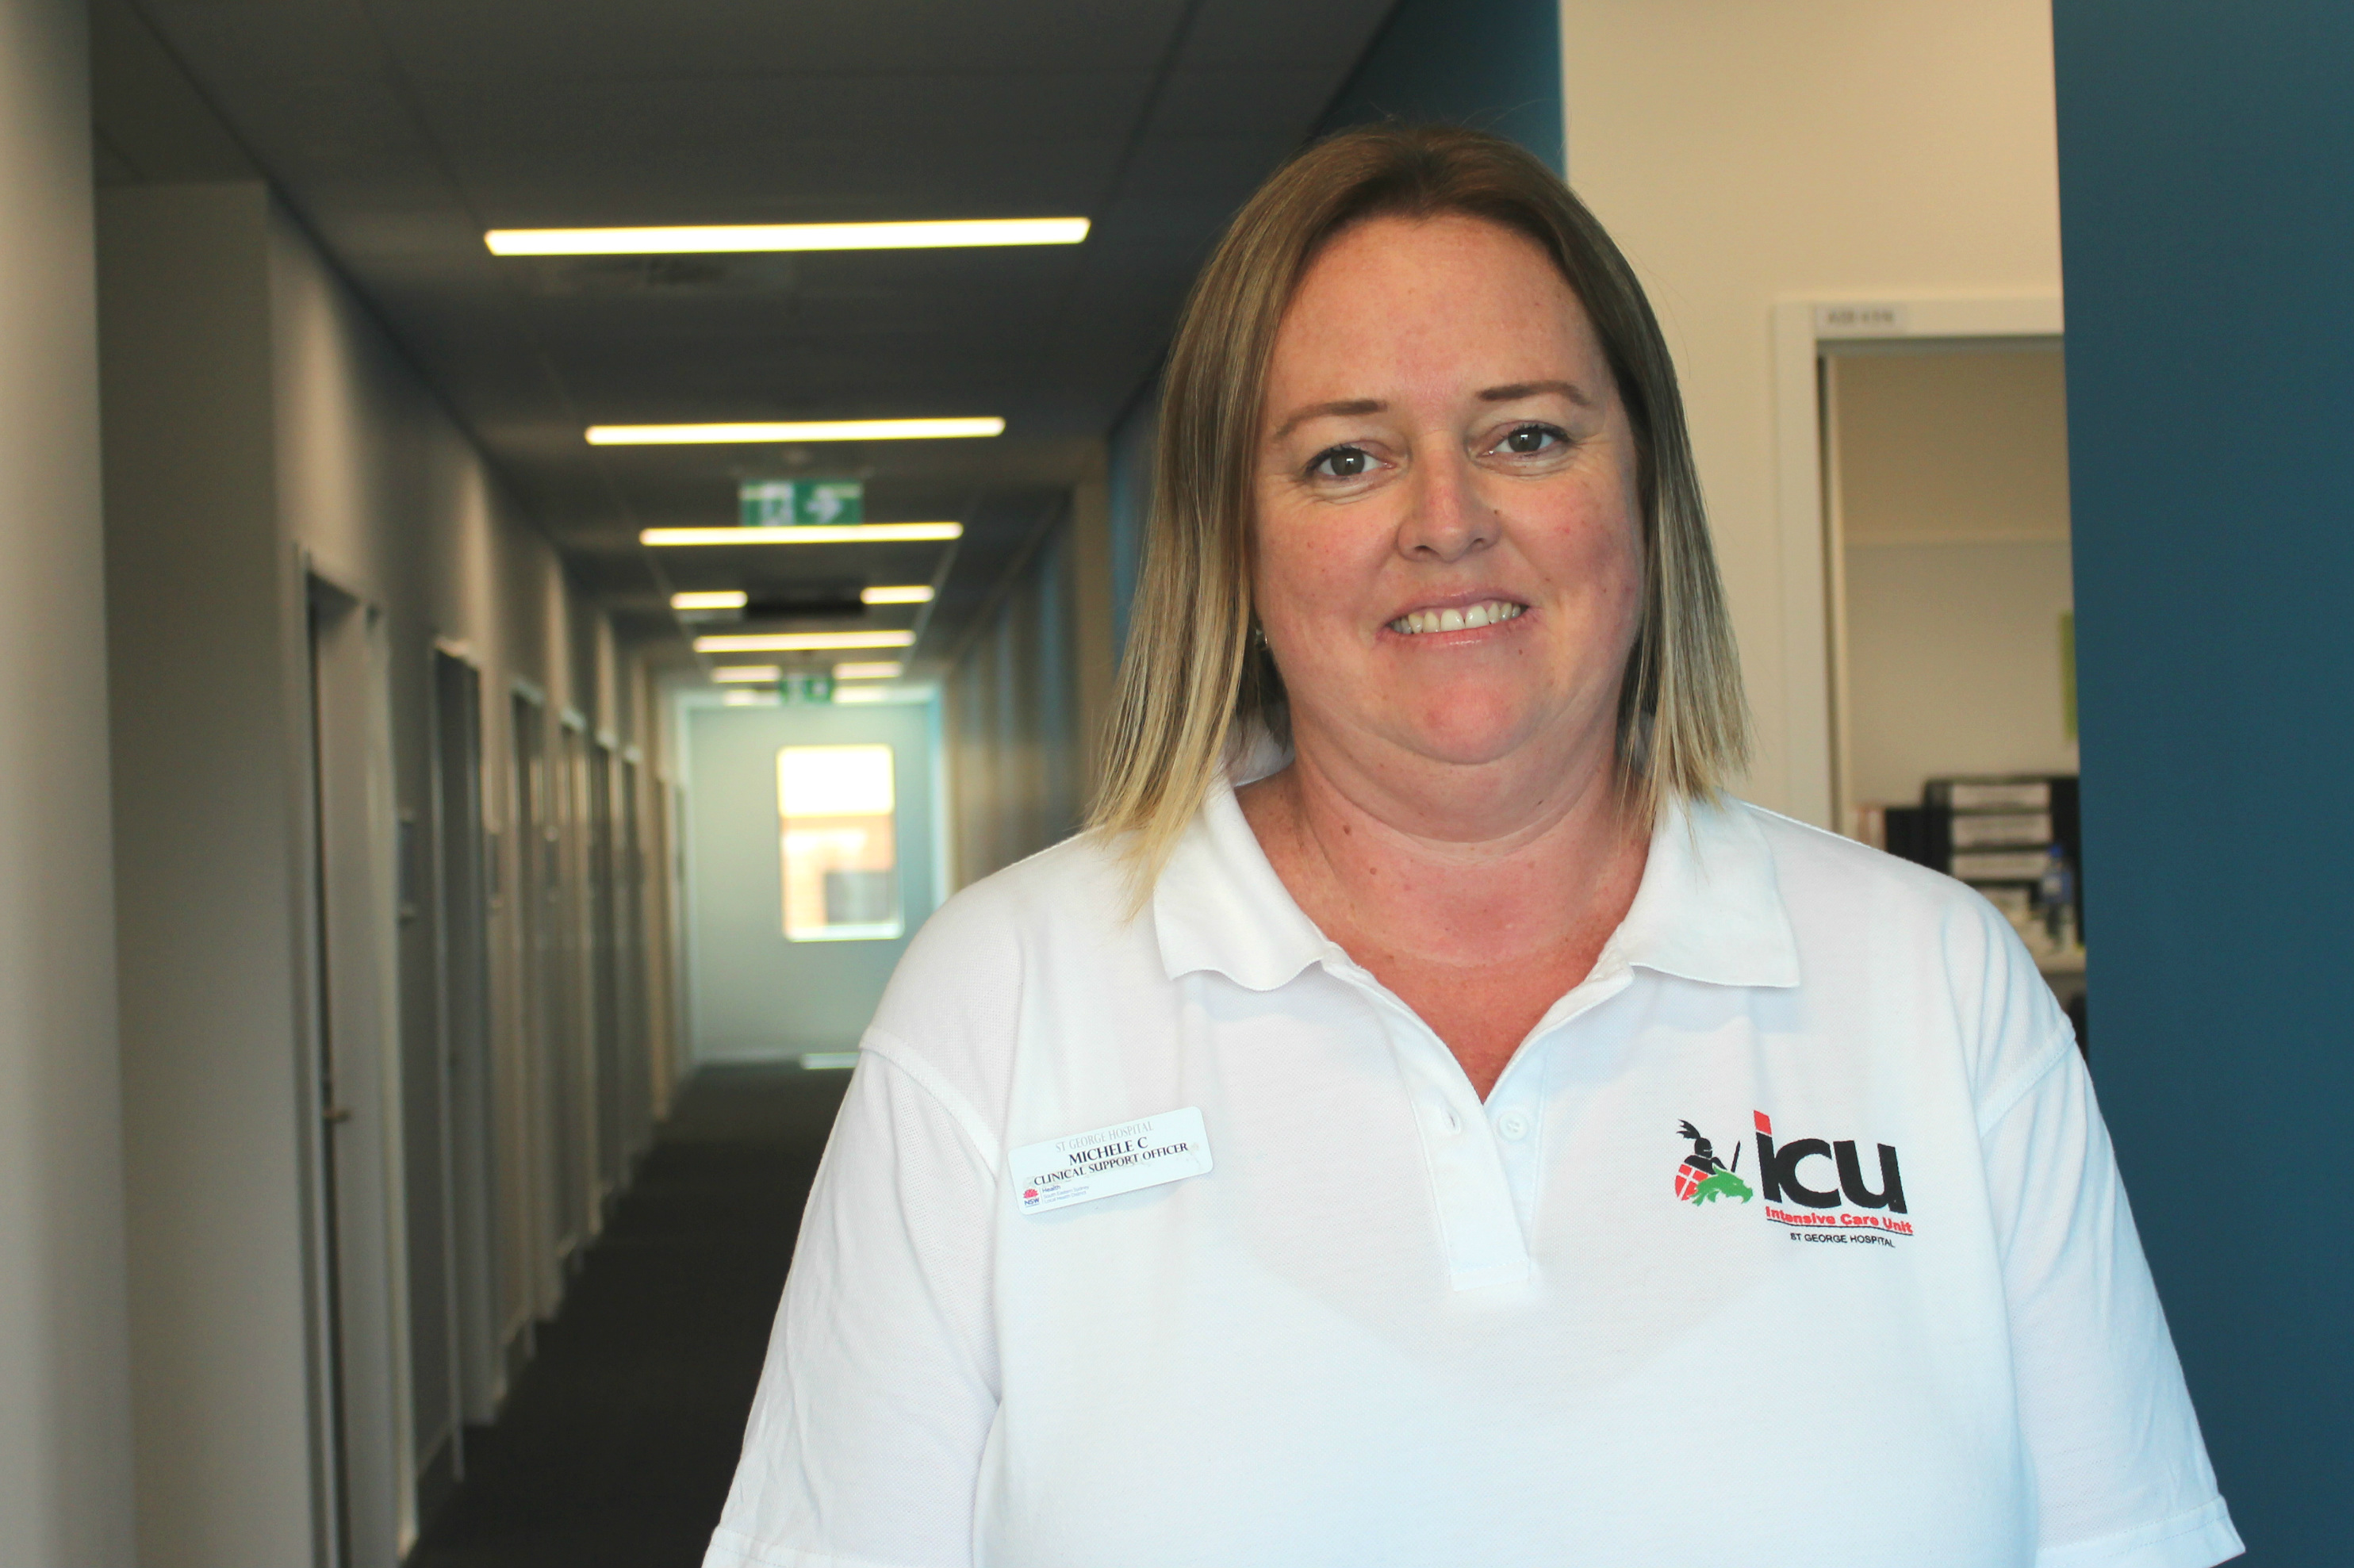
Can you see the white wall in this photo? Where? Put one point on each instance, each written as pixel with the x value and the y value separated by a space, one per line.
pixel 65 1460
pixel 1954 663
pixel 207 805
pixel 1744 155
pixel 257 416
pixel 1952 496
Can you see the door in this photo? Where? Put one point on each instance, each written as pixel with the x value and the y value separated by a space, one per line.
pixel 637 1065
pixel 575 1044
pixel 605 968
pixel 463 954
pixel 538 912
pixel 355 1029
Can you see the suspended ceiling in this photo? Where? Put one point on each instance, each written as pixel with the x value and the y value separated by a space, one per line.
pixel 400 130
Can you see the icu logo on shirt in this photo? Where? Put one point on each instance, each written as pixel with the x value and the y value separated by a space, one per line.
pixel 1820 1213
pixel 1811 1213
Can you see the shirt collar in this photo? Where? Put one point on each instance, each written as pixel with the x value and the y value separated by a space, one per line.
pixel 1219 905
pixel 1709 909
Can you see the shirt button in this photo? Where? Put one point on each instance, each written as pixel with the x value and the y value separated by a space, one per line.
pixel 1515 1124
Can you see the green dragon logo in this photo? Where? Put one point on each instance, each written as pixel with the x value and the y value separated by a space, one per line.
pixel 1702 1178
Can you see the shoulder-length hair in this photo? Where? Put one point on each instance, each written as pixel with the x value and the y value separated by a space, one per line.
pixel 1193 675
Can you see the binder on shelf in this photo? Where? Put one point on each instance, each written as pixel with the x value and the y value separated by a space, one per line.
pixel 2001 830
pixel 1994 834
pixel 2000 865
pixel 1959 794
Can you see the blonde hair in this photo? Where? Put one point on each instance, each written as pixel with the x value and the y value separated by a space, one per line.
pixel 1193 675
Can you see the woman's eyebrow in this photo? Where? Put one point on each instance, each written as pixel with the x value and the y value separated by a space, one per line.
pixel 1517 390
pixel 1319 411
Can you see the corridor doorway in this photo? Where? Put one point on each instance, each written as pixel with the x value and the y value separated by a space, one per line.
pixel 360 1286
pixel 1951 615
pixel 1945 468
pixel 788 957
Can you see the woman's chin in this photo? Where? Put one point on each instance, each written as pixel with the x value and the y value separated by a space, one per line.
pixel 1475 730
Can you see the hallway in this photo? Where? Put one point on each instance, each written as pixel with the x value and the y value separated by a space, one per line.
pixel 543 542
pixel 616 1444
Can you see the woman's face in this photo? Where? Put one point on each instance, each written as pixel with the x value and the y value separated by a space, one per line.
pixel 1448 560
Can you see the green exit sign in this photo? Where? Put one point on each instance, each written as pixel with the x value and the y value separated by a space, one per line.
pixel 805 689
pixel 801 502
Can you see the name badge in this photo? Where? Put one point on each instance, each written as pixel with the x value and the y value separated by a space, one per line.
pixel 1108 1161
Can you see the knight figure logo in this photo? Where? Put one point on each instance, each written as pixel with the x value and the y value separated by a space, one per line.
pixel 1702 1178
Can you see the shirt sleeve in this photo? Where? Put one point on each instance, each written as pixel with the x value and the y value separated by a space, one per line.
pixel 2121 1475
pixel 880 1382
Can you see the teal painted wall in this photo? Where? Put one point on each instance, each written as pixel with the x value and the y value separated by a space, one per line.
pixel 2206 216
pixel 1494 65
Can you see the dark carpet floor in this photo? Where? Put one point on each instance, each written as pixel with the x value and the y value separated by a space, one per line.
pixel 616 1444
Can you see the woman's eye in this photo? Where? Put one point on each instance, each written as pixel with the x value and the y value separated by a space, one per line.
pixel 1341 462
pixel 1529 440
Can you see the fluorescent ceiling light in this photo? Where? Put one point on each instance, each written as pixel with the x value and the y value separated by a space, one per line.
pixel 729 599
pixel 914 594
pixel 756 672
pixel 860 695
pixel 750 700
pixel 870 670
pixel 800 430
pixel 801 642
pixel 772 236
pixel 853 533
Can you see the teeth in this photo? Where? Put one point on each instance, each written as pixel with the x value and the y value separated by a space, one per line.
pixel 1487 613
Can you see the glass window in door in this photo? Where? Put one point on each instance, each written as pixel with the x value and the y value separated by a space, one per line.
pixel 839 843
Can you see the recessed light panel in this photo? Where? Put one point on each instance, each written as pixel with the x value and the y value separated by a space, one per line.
pixel 913 593
pixel 869 670
pixel 797 430
pixel 743 674
pixel 863 533
pixel 732 599
pixel 801 642
pixel 954 233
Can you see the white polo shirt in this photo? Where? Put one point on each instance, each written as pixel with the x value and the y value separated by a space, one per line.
pixel 1893 1313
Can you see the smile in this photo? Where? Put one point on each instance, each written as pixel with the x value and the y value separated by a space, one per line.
pixel 1414 623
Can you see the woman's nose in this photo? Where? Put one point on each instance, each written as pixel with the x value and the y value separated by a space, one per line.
pixel 1447 518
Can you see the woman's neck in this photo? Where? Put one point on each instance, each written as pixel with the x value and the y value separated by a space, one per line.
pixel 1449 863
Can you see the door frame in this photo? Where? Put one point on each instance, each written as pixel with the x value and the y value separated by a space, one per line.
pixel 1812 573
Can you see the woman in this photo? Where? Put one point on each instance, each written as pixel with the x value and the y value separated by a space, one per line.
pixel 1425 1121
